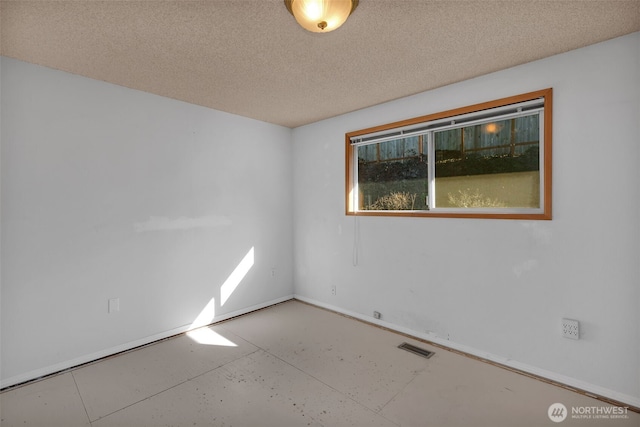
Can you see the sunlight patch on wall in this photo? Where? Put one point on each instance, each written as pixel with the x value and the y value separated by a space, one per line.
pixel 236 277
pixel 198 330
pixel 206 316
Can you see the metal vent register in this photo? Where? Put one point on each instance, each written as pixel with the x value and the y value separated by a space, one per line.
pixel 416 350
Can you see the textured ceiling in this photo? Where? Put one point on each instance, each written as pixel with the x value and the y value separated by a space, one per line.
pixel 250 57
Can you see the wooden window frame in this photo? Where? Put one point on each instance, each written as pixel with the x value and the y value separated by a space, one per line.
pixel 546 160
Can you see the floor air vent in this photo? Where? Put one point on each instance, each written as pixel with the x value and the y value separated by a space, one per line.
pixel 416 350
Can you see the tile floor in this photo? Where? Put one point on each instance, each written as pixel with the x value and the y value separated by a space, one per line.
pixel 291 365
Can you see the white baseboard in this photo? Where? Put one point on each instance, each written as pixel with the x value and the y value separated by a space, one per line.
pixel 509 363
pixel 68 364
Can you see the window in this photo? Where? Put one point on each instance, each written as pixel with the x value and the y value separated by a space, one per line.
pixel 490 160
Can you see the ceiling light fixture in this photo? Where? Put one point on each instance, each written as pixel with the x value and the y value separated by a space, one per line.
pixel 321 16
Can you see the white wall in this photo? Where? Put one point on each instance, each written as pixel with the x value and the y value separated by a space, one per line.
pixel 108 193
pixel 499 288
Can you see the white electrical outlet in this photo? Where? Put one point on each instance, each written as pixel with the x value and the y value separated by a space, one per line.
pixel 377 315
pixel 114 305
pixel 571 329
pixel 333 290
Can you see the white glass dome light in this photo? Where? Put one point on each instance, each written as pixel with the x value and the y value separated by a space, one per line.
pixel 321 16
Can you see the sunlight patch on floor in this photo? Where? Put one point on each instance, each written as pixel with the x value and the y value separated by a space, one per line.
pixel 206 336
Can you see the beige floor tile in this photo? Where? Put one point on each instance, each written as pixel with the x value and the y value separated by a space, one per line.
pixel 294 365
pixel 53 402
pixel 117 382
pixel 456 391
pixel 357 359
pixel 256 390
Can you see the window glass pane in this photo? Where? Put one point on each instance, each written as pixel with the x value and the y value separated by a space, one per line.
pixel 392 175
pixel 491 165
